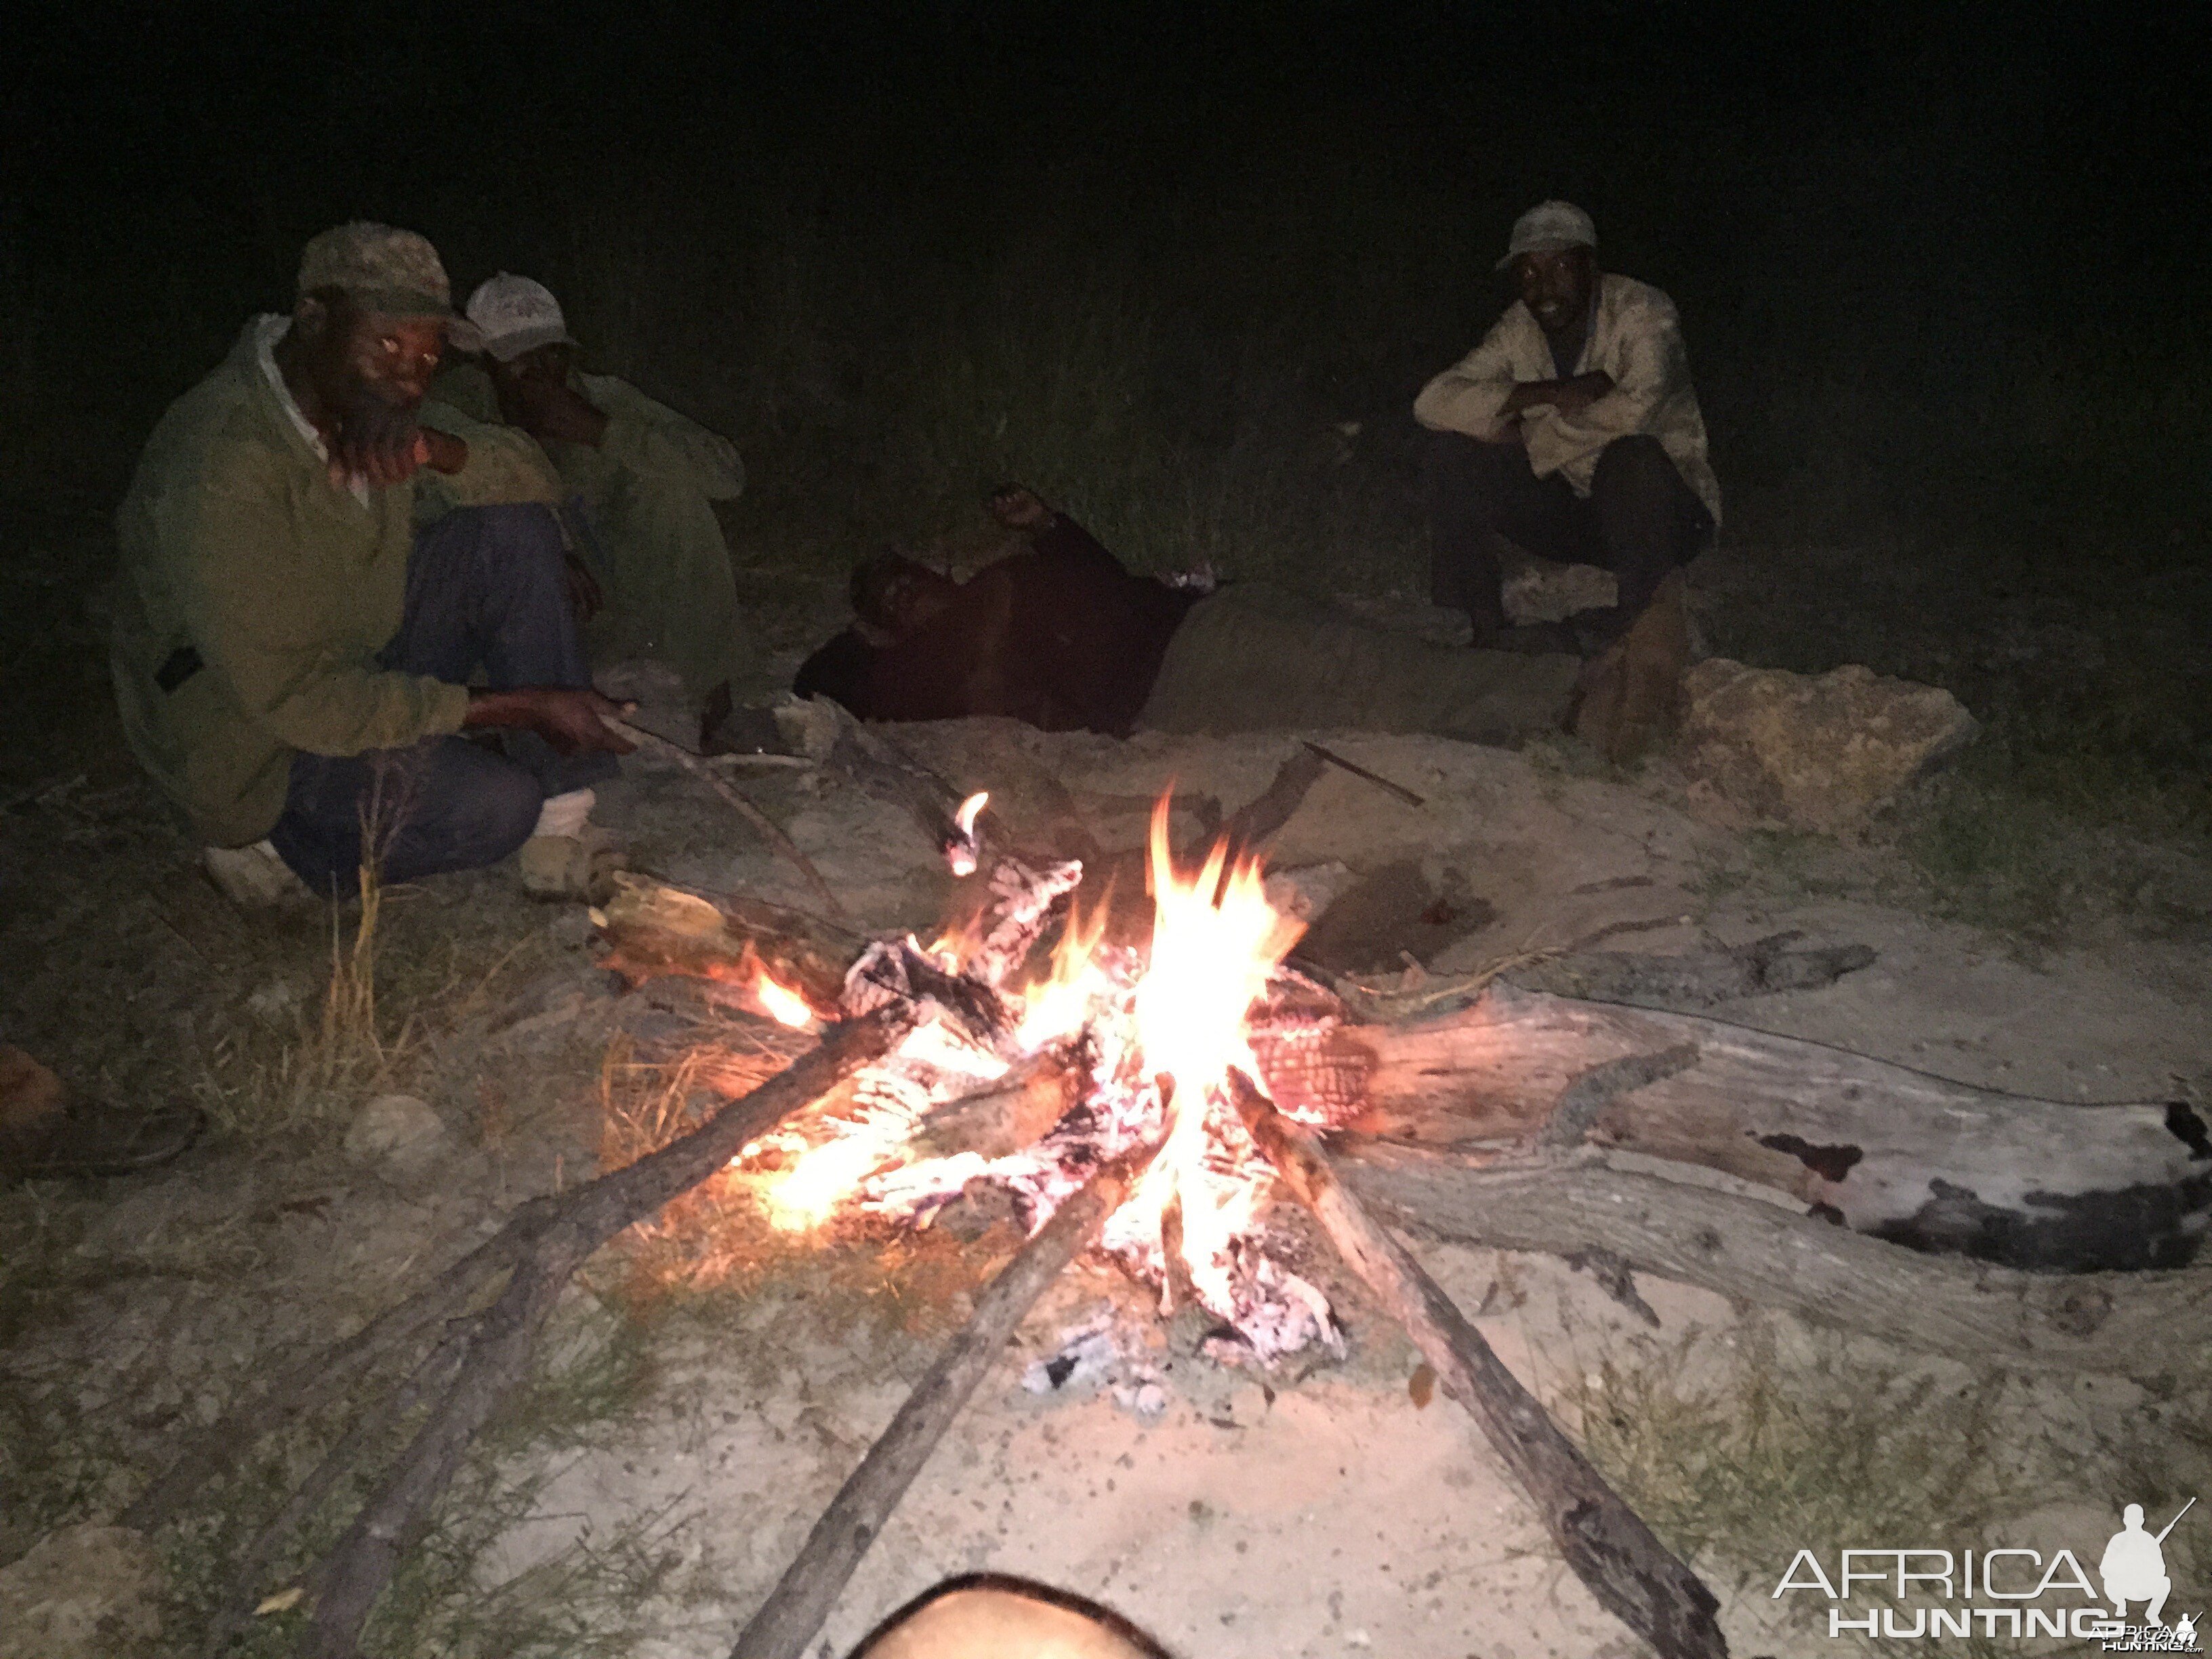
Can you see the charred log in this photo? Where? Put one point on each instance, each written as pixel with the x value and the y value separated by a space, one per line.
pixel 1889 1152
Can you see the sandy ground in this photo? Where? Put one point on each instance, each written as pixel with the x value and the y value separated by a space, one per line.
pixel 1318 1512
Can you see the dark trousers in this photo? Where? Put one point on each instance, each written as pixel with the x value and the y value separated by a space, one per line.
pixel 1639 521
pixel 485 591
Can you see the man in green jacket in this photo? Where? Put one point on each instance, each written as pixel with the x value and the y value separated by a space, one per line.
pixel 658 580
pixel 292 658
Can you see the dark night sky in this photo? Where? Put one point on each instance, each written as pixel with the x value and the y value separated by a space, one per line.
pixel 1981 174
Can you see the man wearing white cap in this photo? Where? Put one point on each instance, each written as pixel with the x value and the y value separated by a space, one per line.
pixel 1572 430
pixel 645 477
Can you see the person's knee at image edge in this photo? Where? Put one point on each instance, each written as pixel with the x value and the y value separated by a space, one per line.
pixel 992 1618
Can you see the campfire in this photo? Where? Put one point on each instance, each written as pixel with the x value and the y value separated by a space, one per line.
pixel 1144 1043
pixel 1147 1102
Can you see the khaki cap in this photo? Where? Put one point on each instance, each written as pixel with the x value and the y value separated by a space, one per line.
pixel 382 268
pixel 1548 226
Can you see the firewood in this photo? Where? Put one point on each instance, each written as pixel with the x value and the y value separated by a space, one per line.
pixel 1631 1573
pixel 483 1355
pixel 2138 1324
pixel 1882 1149
pixel 1012 1115
pixel 801 1600
pixel 655 928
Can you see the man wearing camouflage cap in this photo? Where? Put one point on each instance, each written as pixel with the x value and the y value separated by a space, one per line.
pixel 293 657
pixel 643 479
pixel 1574 432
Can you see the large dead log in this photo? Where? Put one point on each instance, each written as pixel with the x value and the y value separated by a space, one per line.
pixel 1881 1149
pixel 1634 1576
pixel 2142 1324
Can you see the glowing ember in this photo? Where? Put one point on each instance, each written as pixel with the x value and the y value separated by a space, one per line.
pixel 781 1004
pixel 963 849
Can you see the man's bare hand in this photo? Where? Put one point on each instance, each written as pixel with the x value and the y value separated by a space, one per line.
pixel 573 721
pixel 1568 396
pixel 377 443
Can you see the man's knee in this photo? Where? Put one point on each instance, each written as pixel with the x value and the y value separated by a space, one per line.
pixel 1638 464
pixel 520 537
pixel 493 809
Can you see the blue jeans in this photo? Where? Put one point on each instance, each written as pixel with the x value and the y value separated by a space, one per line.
pixel 486 589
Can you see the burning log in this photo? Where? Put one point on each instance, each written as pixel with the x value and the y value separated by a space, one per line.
pixel 1632 1575
pixel 657 929
pixel 1879 1148
pixel 801 1600
pixel 480 1356
pixel 2142 1324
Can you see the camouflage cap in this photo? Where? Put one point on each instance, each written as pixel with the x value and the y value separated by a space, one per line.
pixel 382 268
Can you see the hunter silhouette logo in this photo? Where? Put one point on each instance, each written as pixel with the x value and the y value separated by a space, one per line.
pixel 2133 1570
pixel 2134 1567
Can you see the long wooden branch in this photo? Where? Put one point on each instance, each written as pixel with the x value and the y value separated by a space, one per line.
pixel 2141 1324
pixel 801 1600
pixel 697 766
pixel 500 1344
pixel 1632 1574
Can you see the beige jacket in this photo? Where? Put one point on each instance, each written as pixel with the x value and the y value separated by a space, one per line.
pixel 1636 337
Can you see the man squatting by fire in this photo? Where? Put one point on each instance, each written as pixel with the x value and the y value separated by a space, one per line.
pixel 1573 430
pixel 316 562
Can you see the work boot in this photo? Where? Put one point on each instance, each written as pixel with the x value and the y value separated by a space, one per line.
pixel 47 1133
pixel 578 868
pixel 255 878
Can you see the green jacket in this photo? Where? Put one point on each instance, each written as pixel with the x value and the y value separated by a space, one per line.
pixel 647 490
pixel 644 439
pixel 237 551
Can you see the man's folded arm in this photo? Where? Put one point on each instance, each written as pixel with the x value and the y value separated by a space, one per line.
pixel 1653 366
pixel 506 466
pixel 653 440
pixel 252 622
pixel 1470 396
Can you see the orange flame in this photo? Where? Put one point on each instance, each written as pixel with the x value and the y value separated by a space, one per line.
pixel 781 1003
pixel 1216 940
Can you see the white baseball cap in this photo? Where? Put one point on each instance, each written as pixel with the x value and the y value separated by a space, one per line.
pixel 515 315
pixel 1544 228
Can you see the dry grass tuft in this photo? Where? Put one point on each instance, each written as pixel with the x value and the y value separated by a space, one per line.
pixel 717 1237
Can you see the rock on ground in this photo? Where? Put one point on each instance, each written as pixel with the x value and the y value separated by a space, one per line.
pixel 82 1592
pixel 1812 751
pixel 397 1129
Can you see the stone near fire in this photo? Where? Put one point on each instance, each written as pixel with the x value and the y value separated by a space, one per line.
pixel 1819 752
pixel 81 1593
pixel 396 1129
